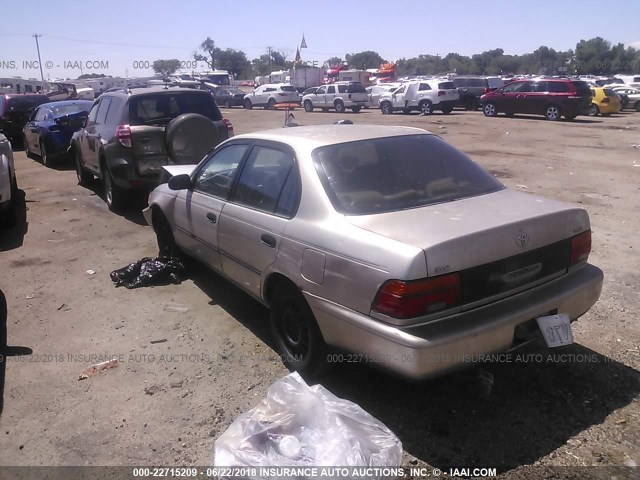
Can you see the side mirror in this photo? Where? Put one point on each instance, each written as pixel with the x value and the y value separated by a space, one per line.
pixel 180 182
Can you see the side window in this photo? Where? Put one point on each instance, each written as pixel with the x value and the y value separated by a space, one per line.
pixel 93 113
pixel 540 87
pixel 321 90
pixel 424 86
pixel 400 90
pixel 331 89
pixel 115 110
pixel 36 115
pixel 102 111
pixel 515 87
pixel 342 88
pixel 262 180
pixel 558 87
pixel 216 176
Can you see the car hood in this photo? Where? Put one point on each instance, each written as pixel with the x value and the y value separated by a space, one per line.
pixel 478 230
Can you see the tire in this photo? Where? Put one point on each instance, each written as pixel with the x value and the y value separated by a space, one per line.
pixel 295 331
pixel 25 144
pixel 113 195
pixel 308 106
pixel 637 106
pixel 594 110
pixel 339 105
pixel 426 107
pixel 447 110
pixel 270 104
pixel 44 156
pixel 247 104
pixel 470 104
pixel 355 109
pixel 167 246
pixel 552 113
pixel 386 108
pixel 490 110
pixel 227 104
pixel 84 177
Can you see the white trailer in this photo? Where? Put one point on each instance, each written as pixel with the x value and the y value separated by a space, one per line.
pixel 361 76
pixel 306 77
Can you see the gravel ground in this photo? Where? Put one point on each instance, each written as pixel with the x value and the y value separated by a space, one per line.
pixel 167 401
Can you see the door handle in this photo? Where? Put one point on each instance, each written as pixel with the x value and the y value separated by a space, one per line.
pixel 268 240
pixel 212 217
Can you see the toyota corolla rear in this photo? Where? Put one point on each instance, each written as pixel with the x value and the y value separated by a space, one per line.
pixel 492 260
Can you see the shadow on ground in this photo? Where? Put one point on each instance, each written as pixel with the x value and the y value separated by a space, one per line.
pixel 12 234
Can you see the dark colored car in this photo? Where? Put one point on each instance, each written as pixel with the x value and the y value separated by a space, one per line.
pixel 131 133
pixel 51 126
pixel 472 88
pixel 15 110
pixel 552 98
pixel 229 97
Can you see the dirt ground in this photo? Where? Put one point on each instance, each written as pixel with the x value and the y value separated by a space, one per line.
pixel 167 402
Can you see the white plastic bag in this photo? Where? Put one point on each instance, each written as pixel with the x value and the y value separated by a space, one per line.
pixel 298 425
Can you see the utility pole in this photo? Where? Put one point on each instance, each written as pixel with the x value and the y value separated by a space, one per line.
pixel 269 49
pixel 36 36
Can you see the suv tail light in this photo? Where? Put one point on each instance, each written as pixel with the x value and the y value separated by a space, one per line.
pixel 441 93
pixel 229 126
pixel 123 134
pixel 580 247
pixel 400 299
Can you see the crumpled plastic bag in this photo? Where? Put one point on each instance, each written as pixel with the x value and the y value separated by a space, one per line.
pixel 298 425
pixel 150 271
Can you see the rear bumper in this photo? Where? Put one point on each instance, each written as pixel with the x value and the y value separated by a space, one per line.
pixel 125 175
pixel 422 351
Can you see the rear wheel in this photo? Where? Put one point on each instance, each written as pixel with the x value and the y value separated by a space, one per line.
pixel 426 108
pixel 84 178
pixel 308 106
pixel 247 104
pixel 227 104
pixel 594 110
pixel 386 108
pixel 27 151
pixel 44 155
pixel 447 110
pixel 552 112
pixel 355 109
pixel 339 106
pixel 637 106
pixel 490 110
pixel 470 104
pixel 296 332
pixel 270 104
pixel 113 195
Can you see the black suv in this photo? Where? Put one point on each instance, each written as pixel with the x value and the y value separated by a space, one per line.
pixel 131 133
pixel 472 88
pixel 15 110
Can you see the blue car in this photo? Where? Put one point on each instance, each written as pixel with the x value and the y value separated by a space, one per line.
pixel 50 127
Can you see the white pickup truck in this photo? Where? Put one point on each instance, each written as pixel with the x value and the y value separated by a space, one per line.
pixel 424 96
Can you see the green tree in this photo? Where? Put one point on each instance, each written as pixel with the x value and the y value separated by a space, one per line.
pixel 364 60
pixel 333 61
pixel 208 46
pixel 166 67
pixel 234 61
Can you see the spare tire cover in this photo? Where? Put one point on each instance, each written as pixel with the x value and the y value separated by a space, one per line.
pixel 189 137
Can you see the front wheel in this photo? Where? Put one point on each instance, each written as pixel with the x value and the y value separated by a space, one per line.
pixel 308 106
pixel 44 155
pixel 227 104
pixel 340 107
pixel 594 110
pixel 637 106
pixel 167 246
pixel 552 112
pixel 426 108
pixel 295 331
pixel 247 104
pixel 27 151
pixel 84 178
pixel 447 110
pixel 386 108
pixel 355 109
pixel 490 110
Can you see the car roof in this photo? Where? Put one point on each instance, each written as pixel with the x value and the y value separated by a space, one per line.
pixel 66 102
pixel 314 136
pixel 143 90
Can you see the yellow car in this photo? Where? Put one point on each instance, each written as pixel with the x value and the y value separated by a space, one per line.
pixel 605 101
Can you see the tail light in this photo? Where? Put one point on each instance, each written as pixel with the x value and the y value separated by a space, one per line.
pixel 441 93
pixel 580 247
pixel 123 134
pixel 486 90
pixel 229 126
pixel 400 299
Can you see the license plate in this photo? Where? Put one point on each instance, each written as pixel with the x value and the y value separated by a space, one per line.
pixel 556 330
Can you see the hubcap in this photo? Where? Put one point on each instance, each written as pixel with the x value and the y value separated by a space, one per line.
pixel 489 109
pixel 426 108
pixel 552 112
pixel 294 331
pixel 43 153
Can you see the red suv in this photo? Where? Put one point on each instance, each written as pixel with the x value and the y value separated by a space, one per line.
pixel 552 98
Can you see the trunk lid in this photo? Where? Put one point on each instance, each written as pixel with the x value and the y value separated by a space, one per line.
pixel 497 232
pixel 148 146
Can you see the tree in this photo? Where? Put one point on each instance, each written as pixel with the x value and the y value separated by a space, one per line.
pixel 333 61
pixel 364 60
pixel 91 75
pixel 166 67
pixel 235 61
pixel 208 46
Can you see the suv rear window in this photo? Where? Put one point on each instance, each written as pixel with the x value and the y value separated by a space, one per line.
pixel 356 88
pixel 582 88
pixel 161 108
pixel 609 93
pixel 447 86
pixel 397 173
pixel 26 102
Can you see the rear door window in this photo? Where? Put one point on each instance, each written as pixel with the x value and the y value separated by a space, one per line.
pixel 558 87
pixel 342 89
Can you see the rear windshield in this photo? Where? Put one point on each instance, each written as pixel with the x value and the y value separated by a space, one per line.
pixel 161 108
pixel 23 104
pixel 356 88
pixel 62 110
pixel 470 82
pixel 288 88
pixel 609 93
pixel 582 88
pixel 446 86
pixel 398 173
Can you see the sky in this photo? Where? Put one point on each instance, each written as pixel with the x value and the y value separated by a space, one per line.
pixel 123 38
